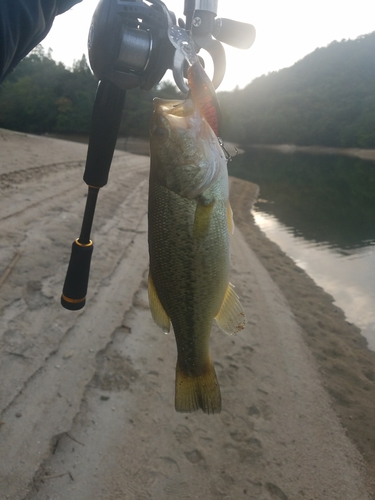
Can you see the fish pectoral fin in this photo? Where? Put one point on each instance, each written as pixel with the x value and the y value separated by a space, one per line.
pixel 197 391
pixel 230 218
pixel 202 219
pixel 231 317
pixel 159 315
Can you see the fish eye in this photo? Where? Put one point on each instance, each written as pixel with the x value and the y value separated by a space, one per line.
pixel 160 134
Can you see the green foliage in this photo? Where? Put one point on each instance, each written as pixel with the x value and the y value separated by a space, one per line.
pixel 327 99
pixel 43 96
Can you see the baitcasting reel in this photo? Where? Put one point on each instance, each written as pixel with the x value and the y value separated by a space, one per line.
pixel 128 42
pixel 129 47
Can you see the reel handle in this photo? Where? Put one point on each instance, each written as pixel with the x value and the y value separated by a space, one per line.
pixel 105 124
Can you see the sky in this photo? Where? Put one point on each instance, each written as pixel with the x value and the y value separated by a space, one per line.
pixel 287 30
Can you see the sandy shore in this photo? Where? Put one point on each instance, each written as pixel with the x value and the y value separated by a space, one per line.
pixel 86 399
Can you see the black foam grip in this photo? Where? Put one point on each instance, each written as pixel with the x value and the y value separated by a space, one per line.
pixel 77 277
pixel 105 124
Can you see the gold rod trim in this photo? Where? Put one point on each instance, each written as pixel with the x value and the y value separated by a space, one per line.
pixel 73 301
pixel 84 244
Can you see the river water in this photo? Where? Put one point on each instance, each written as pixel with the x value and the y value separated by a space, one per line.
pixel 320 210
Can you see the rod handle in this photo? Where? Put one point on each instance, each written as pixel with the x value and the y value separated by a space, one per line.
pixel 77 277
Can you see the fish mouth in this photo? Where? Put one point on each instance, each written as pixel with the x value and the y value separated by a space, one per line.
pixel 178 114
pixel 173 107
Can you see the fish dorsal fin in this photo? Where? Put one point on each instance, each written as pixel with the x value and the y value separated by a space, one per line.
pixel 231 317
pixel 230 218
pixel 159 315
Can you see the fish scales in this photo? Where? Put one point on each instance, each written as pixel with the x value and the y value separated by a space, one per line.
pixel 190 272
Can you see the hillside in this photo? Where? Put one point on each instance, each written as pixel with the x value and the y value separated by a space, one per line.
pixel 327 99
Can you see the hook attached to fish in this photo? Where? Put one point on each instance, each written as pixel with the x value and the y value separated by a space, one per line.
pixel 199 85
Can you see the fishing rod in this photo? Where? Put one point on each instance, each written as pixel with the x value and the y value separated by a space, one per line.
pixel 129 47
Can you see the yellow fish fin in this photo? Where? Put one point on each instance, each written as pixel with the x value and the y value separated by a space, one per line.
pixel 231 317
pixel 230 218
pixel 159 315
pixel 197 391
pixel 202 219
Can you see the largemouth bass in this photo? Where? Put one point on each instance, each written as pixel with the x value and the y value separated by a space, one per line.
pixel 189 224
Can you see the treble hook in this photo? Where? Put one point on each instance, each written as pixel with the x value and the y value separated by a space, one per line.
pixel 228 156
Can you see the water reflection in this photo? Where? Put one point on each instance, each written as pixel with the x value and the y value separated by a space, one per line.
pixel 320 210
pixel 324 199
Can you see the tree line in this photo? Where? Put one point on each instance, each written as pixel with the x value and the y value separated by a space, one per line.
pixel 327 98
pixel 43 96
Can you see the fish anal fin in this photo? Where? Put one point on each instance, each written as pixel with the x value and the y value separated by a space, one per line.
pixel 231 317
pixel 230 218
pixel 197 391
pixel 202 219
pixel 159 315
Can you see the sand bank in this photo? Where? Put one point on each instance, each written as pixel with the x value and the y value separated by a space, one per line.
pixel 86 399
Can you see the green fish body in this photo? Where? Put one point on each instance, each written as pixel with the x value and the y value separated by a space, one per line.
pixel 189 223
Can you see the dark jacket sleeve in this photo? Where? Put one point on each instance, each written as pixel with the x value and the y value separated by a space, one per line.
pixel 24 24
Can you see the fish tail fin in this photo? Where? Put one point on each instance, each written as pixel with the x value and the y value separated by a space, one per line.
pixel 197 391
